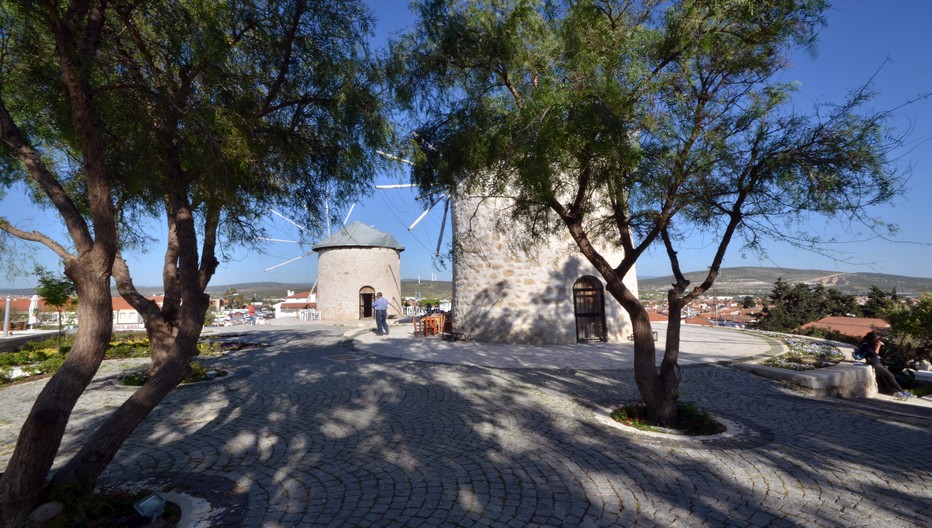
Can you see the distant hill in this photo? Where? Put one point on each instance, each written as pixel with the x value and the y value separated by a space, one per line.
pixel 427 289
pixel 760 281
pixel 731 281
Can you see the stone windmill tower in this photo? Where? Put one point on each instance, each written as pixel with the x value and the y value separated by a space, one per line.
pixel 551 295
pixel 503 294
pixel 354 264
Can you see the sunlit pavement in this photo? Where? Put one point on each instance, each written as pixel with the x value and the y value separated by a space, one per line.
pixel 316 429
pixel 699 345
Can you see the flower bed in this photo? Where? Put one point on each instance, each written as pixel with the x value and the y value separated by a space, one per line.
pixel 804 354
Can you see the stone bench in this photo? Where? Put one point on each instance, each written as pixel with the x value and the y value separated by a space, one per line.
pixel 847 380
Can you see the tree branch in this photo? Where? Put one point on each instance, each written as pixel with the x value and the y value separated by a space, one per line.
pixel 36 236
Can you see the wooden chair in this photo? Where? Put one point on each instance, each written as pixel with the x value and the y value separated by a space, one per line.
pixel 433 325
pixel 418 326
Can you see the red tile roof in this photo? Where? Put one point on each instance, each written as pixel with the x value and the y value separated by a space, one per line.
pixel 21 305
pixel 851 326
pixel 299 305
pixel 120 303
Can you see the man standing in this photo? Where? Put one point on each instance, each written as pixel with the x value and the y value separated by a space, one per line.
pixel 380 305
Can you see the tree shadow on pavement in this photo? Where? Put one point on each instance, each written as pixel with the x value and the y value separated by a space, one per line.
pixel 301 438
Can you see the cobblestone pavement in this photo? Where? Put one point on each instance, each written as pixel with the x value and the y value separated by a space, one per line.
pixel 309 431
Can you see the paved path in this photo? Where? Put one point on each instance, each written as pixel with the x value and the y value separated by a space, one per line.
pixel 698 345
pixel 308 432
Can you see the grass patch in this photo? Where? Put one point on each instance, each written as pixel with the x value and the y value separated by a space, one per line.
pixel 111 507
pixel 693 421
pixel 921 389
pixel 199 373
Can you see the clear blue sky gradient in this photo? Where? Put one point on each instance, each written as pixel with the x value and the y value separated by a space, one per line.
pixel 884 39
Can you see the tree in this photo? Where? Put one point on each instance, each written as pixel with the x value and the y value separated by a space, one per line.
pixel 640 124
pixel 748 302
pixel 878 302
pixel 232 298
pixel 57 291
pixel 203 114
pixel 790 307
pixel 912 324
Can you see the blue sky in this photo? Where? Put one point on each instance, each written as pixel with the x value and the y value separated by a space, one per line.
pixel 886 39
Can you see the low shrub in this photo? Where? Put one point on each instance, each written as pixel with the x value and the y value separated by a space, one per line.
pixel 199 373
pixel 693 421
pixel 46 357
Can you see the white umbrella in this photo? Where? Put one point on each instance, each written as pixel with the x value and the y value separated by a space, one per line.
pixel 34 310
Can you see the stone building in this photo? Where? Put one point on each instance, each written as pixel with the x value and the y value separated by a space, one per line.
pixel 354 264
pixel 552 295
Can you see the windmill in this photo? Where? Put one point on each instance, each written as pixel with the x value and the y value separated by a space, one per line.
pixel 503 292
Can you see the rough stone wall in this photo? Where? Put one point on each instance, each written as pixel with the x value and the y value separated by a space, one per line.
pixel 502 294
pixel 342 272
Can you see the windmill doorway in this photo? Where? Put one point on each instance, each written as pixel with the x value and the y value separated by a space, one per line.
pixel 366 296
pixel 589 310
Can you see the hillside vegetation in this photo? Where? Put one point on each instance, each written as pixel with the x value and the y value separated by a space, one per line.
pixel 760 281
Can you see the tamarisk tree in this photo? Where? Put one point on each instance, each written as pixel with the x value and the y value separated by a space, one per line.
pixel 199 114
pixel 638 124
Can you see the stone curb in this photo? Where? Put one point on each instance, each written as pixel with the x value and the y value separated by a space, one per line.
pixel 842 380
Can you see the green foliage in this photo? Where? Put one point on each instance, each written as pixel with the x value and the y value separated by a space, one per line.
pixel 202 115
pixel 922 389
pixel 128 349
pixel 56 290
pixel 199 373
pixel 692 420
pixel 128 345
pixel 912 321
pixel 209 347
pixel 105 507
pixel 44 357
pixel 878 302
pixel 638 124
pixel 792 306
pixel 831 335
pixel 27 357
pixel 45 360
pixel 134 379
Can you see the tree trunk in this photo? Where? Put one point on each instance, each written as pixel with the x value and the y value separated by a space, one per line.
pixel 80 474
pixel 666 390
pixel 23 481
pixel 175 344
pixel 658 388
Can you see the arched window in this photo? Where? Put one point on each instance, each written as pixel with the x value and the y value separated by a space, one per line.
pixel 589 309
pixel 366 296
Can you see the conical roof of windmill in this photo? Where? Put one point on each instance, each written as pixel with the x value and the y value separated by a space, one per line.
pixel 358 234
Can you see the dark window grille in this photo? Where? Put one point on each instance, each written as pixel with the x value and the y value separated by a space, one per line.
pixel 589 309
